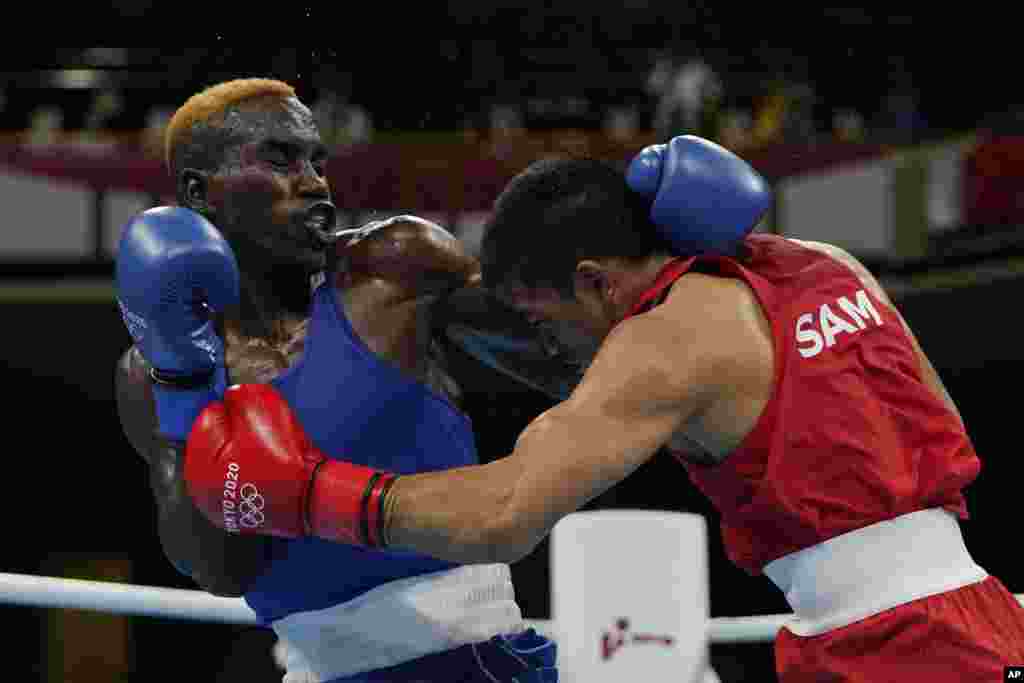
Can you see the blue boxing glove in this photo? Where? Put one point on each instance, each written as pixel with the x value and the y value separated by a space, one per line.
pixel 174 271
pixel 705 198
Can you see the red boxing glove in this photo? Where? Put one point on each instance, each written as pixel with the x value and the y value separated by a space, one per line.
pixel 251 469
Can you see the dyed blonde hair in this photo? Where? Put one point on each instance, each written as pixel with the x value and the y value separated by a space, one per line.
pixel 213 101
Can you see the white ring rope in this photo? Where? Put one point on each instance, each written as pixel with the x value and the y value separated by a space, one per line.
pixel 121 598
pixel 193 605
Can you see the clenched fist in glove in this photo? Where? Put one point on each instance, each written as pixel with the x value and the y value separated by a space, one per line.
pixel 251 469
pixel 704 198
pixel 174 272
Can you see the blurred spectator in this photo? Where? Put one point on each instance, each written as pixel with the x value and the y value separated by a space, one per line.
pixel 660 75
pixel 105 106
pixel 506 131
pixel 899 120
pixel 46 126
pixel 798 124
pixel 105 56
pixel 848 125
pixel 157 119
pixel 688 97
pixel 340 121
pixel 768 117
pixel 786 114
pixel 621 124
pixel 5 112
pixel 575 110
pixel 736 129
pixel 506 121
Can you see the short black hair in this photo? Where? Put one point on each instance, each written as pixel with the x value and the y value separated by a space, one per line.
pixel 206 147
pixel 559 212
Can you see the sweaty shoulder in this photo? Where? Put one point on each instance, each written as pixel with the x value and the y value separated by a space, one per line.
pixel 412 253
pixel 725 350
pixel 848 260
pixel 135 406
pixel 719 327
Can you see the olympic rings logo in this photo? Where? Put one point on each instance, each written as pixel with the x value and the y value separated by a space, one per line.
pixel 242 504
pixel 250 506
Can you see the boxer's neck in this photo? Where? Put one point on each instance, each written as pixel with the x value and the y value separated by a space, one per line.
pixel 633 280
pixel 274 301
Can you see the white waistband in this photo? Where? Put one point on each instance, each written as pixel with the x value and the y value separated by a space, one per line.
pixel 872 569
pixel 398 622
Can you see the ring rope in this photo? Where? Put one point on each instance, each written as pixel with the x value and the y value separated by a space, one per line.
pixel 120 598
pixel 193 605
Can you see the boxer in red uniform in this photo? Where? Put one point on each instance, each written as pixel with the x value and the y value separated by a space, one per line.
pixel 780 374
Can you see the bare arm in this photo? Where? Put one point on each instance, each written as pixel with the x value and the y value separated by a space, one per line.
pixel 411 256
pixel 928 372
pixel 135 405
pixel 394 271
pixel 221 563
pixel 650 376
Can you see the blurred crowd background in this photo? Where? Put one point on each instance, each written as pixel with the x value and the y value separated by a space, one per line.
pixel 911 158
pixel 599 75
pixel 485 88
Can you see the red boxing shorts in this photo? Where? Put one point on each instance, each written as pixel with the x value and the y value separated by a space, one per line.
pixel 968 634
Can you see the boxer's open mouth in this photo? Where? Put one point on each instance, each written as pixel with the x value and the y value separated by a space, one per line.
pixel 320 220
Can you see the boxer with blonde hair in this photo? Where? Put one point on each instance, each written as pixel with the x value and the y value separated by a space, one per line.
pixel 249 280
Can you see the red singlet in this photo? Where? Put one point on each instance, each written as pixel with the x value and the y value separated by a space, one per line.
pixel 851 435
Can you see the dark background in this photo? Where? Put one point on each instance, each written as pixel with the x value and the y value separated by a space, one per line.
pixel 76 499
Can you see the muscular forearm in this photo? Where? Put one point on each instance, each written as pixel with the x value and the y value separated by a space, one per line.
pixel 466 515
pixel 499 512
